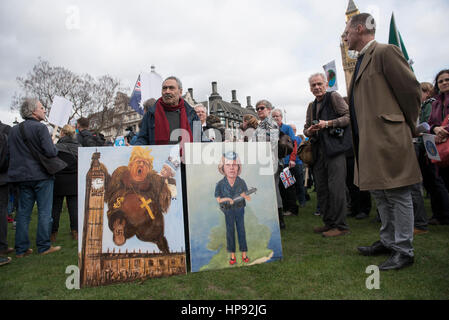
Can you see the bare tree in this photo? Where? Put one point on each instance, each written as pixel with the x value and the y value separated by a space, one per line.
pixel 88 95
pixel 105 92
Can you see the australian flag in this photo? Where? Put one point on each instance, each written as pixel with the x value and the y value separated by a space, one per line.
pixel 136 98
pixel 287 179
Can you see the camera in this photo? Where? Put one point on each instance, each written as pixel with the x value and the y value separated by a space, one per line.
pixel 337 132
pixel 314 122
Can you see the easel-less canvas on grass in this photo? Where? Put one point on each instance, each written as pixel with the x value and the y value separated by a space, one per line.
pixel 246 228
pixel 130 214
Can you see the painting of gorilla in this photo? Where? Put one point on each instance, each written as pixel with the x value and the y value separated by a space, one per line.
pixel 137 197
pixel 140 212
pixel 130 211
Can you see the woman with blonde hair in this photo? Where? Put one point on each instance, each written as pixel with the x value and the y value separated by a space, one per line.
pixel 226 191
pixel 66 182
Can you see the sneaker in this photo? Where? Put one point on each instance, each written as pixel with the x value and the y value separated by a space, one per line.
pixel 317 213
pixel 287 213
pixel 28 252
pixel 335 233
pixel 417 231
pixel 4 260
pixel 51 250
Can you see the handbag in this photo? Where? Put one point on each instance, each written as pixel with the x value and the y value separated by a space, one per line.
pixel 51 165
pixel 337 141
pixel 305 152
pixel 443 149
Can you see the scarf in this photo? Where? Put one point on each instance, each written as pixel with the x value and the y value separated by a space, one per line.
pixel 162 128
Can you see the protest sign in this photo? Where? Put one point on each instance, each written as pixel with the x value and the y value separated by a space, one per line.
pixel 331 74
pixel 431 148
pixel 60 111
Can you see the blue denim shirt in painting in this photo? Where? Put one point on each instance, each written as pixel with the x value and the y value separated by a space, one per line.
pixel 224 190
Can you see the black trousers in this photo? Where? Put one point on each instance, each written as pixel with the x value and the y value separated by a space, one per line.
pixel 4 197
pixel 72 206
pixel 288 195
pixel 436 182
pixel 360 200
pixel 330 178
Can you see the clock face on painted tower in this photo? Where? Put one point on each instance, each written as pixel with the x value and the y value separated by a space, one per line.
pixel 97 183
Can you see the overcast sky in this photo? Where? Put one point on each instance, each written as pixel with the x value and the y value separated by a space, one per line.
pixel 261 48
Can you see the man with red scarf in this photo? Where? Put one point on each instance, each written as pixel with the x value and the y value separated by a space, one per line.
pixel 161 124
pixel 171 112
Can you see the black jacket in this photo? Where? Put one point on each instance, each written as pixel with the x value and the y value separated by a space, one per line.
pixel 4 129
pixel 66 179
pixel 22 165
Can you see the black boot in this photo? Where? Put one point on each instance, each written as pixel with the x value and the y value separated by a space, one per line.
pixel 281 218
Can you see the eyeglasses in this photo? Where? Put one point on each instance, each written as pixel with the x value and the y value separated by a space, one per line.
pixel 260 108
pixel 443 80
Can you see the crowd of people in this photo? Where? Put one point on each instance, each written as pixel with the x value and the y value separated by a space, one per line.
pixel 364 146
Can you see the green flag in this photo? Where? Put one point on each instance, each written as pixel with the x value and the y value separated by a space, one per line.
pixel 396 39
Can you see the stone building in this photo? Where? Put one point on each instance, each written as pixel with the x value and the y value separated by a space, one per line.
pixel 230 113
pixel 114 122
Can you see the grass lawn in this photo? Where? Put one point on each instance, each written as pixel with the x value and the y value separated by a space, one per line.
pixel 312 268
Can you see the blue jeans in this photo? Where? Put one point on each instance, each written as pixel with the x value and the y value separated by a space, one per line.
pixel 235 218
pixel 29 192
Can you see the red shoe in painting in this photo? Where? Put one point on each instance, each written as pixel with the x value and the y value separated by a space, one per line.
pixel 245 259
pixel 232 261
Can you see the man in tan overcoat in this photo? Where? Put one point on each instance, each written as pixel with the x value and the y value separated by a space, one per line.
pixel 384 104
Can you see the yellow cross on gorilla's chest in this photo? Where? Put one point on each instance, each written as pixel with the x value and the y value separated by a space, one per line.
pixel 145 204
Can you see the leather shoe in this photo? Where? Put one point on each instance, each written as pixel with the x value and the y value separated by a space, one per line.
pixel 26 253
pixel 376 249
pixel 335 233
pixel 50 250
pixel 321 229
pixel 397 261
pixel 417 231
pixel 6 251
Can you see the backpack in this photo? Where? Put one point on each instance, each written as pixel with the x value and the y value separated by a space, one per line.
pixel 4 155
pixel 98 140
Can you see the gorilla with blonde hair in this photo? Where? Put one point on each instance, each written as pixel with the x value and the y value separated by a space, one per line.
pixel 137 197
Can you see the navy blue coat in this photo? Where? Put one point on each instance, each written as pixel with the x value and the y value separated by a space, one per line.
pixel 22 165
pixel 66 180
pixel 146 133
